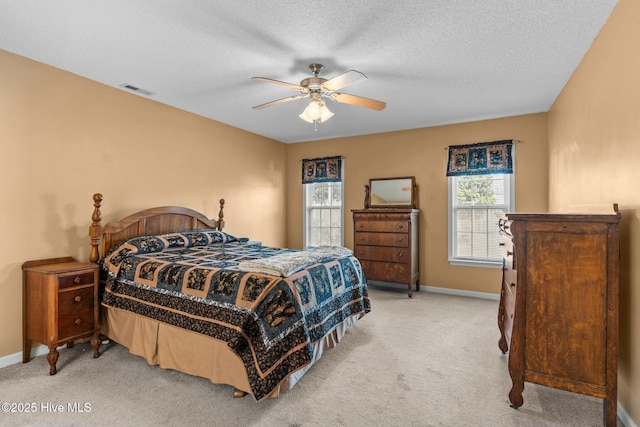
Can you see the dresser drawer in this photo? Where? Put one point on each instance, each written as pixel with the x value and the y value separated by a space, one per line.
pixel 386 271
pixel 75 280
pixel 507 258
pixel 384 226
pixel 509 278
pixel 75 300
pixel 75 323
pixel 382 215
pixel 382 253
pixel 381 239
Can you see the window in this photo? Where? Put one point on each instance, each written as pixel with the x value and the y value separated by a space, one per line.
pixel 323 201
pixel 323 214
pixel 475 202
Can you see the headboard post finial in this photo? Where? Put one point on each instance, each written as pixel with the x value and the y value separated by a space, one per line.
pixel 221 215
pixel 95 230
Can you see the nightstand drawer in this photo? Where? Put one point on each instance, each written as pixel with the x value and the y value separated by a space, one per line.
pixel 75 280
pixel 75 323
pixel 75 300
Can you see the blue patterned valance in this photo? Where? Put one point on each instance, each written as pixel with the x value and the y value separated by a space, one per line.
pixel 326 169
pixel 480 158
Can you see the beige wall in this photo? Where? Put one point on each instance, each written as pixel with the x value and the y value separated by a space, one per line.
pixel 63 138
pixel 594 138
pixel 422 153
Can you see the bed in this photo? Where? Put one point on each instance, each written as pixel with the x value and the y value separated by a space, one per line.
pixel 184 294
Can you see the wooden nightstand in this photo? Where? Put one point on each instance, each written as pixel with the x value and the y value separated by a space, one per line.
pixel 59 305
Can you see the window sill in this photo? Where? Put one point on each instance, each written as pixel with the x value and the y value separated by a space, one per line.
pixel 475 263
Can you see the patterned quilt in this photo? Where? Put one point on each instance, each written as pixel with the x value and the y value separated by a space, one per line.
pixel 192 280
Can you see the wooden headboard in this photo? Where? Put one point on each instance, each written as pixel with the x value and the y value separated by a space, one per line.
pixel 165 219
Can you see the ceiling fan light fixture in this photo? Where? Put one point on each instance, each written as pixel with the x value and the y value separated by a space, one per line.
pixel 313 110
pixel 311 113
pixel 316 111
pixel 325 113
pixel 306 118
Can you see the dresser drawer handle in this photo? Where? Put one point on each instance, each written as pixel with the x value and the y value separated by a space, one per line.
pixel 76 280
pixel 77 322
pixel 401 226
pixel 400 254
pixel 509 253
pixel 77 298
pixel 400 240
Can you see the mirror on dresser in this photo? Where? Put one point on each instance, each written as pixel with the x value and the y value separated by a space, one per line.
pixel 391 192
pixel 386 232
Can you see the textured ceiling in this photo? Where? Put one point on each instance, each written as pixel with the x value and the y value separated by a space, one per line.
pixel 432 61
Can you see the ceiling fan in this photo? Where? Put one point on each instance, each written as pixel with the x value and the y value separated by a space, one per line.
pixel 318 88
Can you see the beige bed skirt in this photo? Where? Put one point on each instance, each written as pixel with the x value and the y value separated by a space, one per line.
pixel 175 348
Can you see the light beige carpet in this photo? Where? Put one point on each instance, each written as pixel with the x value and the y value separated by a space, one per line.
pixel 432 360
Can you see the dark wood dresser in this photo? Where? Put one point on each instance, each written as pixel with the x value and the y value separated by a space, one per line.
pixel 560 283
pixel 386 243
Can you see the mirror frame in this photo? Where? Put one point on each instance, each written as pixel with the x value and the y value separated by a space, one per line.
pixel 401 183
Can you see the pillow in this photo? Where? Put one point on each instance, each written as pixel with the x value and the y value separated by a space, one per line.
pixel 207 237
pixel 159 242
pixel 183 239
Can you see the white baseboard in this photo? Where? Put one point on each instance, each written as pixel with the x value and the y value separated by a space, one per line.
pixel 17 357
pixel 437 290
pixel 458 292
pixel 625 418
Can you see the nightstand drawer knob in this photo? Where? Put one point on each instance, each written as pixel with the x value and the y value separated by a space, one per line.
pixel 76 280
pixel 77 322
pixel 77 298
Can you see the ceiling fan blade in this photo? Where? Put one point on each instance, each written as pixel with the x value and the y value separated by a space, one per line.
pixel 344 80
pixel 279 101
pixel 359 101
pixel 278 82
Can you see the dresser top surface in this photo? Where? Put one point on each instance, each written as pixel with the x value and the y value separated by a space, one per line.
pixel 612 218
pixel 385 210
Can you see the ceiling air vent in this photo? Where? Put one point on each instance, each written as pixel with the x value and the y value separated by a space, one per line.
pixel 135 89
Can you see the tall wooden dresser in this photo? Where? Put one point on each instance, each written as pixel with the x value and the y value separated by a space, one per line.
pixel 386 243
pixel 561 285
